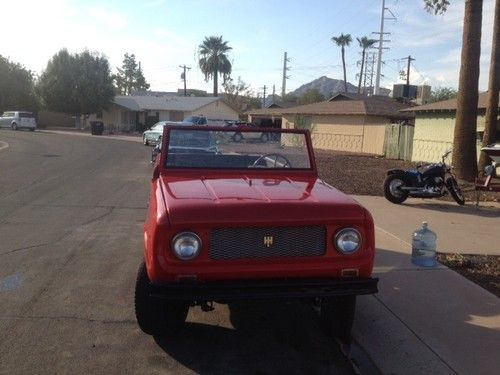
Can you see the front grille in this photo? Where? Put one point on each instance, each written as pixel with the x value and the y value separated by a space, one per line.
pixel 247 243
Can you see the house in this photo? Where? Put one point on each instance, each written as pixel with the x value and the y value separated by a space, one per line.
pixel 129 113
pixel 345 122
pixel 435 125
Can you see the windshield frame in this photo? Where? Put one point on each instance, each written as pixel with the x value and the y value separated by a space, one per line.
pixel 165 170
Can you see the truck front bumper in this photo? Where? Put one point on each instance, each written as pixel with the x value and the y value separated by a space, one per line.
pixel 264 289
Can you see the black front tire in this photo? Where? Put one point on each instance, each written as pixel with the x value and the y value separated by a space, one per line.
pixel 455 191
pixel 388 193
pixel 337 317
pixel 157 317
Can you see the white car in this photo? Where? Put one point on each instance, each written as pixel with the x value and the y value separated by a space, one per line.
pixel 18 120
pixel 152 136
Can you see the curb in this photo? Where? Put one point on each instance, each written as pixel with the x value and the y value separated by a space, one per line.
pixel 3 145
pixel 127 138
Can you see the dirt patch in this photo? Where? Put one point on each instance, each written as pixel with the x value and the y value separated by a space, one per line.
pixel 483 270
pixel 364 175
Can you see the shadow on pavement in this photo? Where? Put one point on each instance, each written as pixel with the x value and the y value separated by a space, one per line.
pixel 268 337
pixel 456 318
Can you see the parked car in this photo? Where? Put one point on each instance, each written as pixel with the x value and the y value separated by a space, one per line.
pixel 238 136
pixel 152 135
pixel 196 120
pixel 18 120
pixel 225 225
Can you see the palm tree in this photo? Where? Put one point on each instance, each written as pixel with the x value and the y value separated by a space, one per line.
pixel 464 137
pixel 490 126
pixel 213 59
pixel 343 41
pixel 364 43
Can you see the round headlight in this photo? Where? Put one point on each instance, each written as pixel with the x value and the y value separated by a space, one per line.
pixel 186 245
pixel 347 241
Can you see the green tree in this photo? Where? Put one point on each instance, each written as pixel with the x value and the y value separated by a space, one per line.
pixel 17 88
pixel 289 98
pixel 364 43
pixel 79 84
pixel 464 137
pixel 214 60
pixel 236 93
pixel 490 123
pixel 436 6
pixel 442 93
pixel 311 96
pixel 130 76
pixel 343 41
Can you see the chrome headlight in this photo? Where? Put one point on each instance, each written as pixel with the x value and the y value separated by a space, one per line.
pixel 347 240
pixel 186 245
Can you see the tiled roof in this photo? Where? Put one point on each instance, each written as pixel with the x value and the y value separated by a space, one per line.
pixel 163 103
pixel 357 105
pixel 448 105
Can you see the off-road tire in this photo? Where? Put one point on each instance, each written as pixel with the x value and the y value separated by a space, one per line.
pixel 455 191
pixel 337 317
pixel 155 316
pixel 387 191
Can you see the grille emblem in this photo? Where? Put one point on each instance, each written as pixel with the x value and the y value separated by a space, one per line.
pixel 268 241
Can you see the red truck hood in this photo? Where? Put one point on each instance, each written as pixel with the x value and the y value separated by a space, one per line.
pixel 249 200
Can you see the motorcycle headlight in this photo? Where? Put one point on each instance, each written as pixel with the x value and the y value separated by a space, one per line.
pixel 186 245
pixel 347 240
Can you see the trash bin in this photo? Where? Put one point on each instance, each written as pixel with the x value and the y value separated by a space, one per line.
pixel 96 127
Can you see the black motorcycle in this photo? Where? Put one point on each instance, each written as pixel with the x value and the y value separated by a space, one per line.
pixel 426 181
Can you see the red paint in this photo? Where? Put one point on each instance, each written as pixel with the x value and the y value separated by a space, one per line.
pixel 199 200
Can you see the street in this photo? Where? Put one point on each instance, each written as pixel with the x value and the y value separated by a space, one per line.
pixel 71 216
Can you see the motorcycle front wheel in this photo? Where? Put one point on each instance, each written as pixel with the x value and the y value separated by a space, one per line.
pixel 392 188
pixel 455 191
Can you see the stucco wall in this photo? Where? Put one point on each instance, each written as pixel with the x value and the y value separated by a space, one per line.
pixel 434 135
pixel 216 111
pixel 352 133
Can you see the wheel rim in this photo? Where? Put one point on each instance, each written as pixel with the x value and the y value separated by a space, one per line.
pixel 395 187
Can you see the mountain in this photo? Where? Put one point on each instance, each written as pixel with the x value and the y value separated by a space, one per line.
pixel 326 86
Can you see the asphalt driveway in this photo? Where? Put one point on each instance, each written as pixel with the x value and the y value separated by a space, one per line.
pixel 71 215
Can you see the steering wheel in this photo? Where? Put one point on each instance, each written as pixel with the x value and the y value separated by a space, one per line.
pixel 274 156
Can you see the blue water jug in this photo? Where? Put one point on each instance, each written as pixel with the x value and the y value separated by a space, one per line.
pixel 423 247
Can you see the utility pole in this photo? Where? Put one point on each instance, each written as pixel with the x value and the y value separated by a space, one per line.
pixel 264 97
pixel 274 92
pixel 381 44
pixel 285 77
pixel 183 76
pixel 409 58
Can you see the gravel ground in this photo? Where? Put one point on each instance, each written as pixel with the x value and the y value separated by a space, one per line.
pixel 364 175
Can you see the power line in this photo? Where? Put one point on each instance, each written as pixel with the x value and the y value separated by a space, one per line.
pixel 285 76
pixel 381 43
pixel 183 76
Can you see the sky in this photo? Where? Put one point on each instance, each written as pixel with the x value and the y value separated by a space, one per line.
pixel 164 34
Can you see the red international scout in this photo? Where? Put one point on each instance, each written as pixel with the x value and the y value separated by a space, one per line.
pixel 248 218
